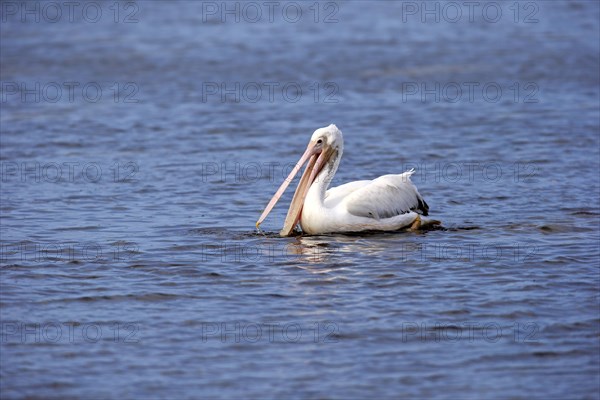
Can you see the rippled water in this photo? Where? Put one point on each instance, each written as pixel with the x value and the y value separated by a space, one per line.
pixel 130 263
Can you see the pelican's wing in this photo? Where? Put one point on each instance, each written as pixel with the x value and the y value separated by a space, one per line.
pixel 336 194
pixel 386 197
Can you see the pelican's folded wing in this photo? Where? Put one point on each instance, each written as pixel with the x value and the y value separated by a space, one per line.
pixel 335 195
pixel 386 197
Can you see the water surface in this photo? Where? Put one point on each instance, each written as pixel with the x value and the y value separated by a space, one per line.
pixel 130 263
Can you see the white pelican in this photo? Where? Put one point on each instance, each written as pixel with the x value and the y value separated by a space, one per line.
pixel 388 203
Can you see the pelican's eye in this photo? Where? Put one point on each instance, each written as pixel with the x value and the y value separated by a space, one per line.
pixel 320 141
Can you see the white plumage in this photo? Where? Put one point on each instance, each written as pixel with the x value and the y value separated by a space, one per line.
pixel 384 197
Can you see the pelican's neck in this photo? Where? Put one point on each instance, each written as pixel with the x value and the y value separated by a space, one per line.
pixel 316 192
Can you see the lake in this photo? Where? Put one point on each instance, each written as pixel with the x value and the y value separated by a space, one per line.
pixel 140 141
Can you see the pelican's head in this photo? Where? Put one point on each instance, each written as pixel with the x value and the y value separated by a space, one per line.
pixel 325 146
pixel 329 136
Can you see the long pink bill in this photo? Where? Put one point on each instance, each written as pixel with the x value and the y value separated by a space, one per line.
pixel 307 154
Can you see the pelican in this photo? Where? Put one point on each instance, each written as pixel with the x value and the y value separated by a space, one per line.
pixel 388 203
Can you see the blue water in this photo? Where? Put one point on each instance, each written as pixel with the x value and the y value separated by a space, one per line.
pixel 136 156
